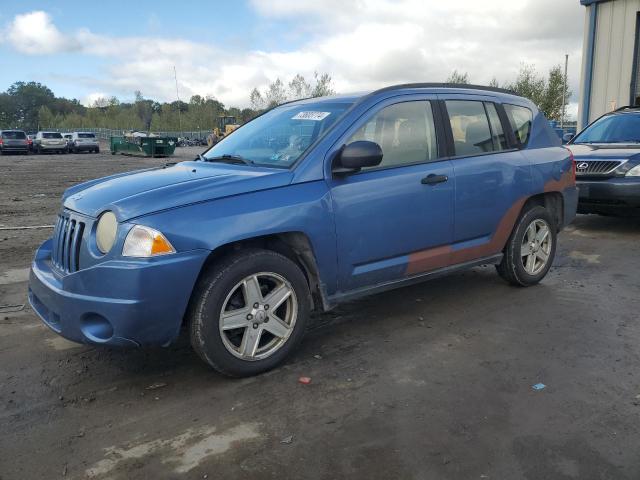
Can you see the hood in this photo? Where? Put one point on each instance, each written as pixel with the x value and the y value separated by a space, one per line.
pixel 604 151
pixel 142 192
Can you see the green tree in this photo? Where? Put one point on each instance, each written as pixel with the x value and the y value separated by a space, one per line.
pixel 545 93
pixel 28 98
pixel 529 84
pixel 277 93
pixel 458 78
pixel 552 103
pixel 323 87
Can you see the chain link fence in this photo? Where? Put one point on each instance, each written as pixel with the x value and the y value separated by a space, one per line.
pixel 106 133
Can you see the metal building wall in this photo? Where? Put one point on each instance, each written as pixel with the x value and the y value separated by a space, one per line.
pixel 613 57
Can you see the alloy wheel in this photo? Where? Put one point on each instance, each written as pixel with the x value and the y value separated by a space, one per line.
pixel 258 316
pixel 536 246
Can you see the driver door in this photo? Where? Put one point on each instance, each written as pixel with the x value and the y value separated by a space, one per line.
pixel 395 220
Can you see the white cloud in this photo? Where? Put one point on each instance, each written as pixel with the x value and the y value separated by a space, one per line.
pixel 363 44
pixel 35 34
pixel 89 99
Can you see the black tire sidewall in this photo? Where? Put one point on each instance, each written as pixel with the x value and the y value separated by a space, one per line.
pixel 515 261
pixel 213 289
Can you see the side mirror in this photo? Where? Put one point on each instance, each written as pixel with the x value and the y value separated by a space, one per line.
pixel 567 137
pixel 358 155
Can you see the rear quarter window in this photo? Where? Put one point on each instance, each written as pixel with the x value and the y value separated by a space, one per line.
pixel 520 119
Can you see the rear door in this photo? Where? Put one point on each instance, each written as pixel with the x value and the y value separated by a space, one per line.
pixel 492 178
pixel 394 220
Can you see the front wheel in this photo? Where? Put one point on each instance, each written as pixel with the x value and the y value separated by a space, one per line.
pixel 249 312
pixel 530 250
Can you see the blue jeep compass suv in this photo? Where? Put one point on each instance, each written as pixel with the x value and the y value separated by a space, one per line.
pixel 310 204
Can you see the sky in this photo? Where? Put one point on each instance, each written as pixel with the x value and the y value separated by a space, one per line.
pixel 87 50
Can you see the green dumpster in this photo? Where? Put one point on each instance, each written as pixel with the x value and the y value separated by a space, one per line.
pixel 143 146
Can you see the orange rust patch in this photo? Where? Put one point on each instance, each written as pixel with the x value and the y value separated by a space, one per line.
pixel 566 180
pixel 434 258
pixel 429 259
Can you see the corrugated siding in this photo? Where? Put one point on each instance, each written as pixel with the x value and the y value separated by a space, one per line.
pixel 613 55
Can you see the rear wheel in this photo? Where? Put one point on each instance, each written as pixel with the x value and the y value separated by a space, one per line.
pixel 530 250
pixel 249 312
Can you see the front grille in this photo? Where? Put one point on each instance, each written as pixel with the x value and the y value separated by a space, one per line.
pixel 67 238
pixel 596 167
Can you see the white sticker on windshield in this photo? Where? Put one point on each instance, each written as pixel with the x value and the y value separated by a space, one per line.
pixel 316 116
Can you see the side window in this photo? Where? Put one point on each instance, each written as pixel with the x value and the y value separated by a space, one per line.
pixel 405 132
pixel 497 133
pixel 520 119
pixel 470 127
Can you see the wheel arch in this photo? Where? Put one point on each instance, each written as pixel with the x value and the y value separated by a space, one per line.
pixel 294 245
pixel 552 201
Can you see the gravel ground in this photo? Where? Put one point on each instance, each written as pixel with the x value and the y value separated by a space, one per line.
pixel 432 381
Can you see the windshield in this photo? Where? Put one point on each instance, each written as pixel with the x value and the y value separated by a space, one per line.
pixel 279 137
pixel 14 135
pixel 51 135
pixel 86 135
pixel 619 128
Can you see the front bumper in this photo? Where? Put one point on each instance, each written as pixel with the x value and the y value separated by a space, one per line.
pixel 134 302
pixel 611 195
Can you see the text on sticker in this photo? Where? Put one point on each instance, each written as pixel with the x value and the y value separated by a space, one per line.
pixel 317 116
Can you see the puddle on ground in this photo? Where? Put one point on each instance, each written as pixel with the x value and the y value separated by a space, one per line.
pixel 59 343
pixel 15 275
pixel 576 255
pixel 183 452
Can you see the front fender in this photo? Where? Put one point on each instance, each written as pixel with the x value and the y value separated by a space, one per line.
pixel 304 207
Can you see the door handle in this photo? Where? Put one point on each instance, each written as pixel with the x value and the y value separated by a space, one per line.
pixel 432 179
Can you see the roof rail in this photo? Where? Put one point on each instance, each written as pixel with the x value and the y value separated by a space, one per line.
pixel 447 85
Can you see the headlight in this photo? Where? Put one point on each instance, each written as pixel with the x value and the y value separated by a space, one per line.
pixel 106 231
pixel 143 241
pixel 634 172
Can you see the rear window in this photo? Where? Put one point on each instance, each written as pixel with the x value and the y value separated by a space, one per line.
pixel 86 135
pixel 472 134
pixel 14 135
pixel 520 119
pixel 51 135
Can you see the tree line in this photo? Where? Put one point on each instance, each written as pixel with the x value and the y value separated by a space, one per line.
pixel 33 106
pixel 545 92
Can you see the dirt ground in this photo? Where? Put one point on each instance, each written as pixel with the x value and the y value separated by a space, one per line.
pixel 432 381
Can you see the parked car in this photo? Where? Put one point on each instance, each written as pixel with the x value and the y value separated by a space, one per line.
pixel 84 142
pixel 311 204
pixel 30 139
pixel 50 142
pixel 68 137
pixel 607 154
pixel 14 141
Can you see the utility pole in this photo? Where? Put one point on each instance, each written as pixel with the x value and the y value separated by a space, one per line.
pixel 175 76
pixel 564 91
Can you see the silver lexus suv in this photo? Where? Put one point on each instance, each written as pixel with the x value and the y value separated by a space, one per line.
pixel 84 141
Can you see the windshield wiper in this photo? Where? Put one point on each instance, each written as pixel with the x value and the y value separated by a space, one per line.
pixel 227 158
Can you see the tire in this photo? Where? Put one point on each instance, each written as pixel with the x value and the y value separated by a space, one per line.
pixel 521 271
pixel 229 281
